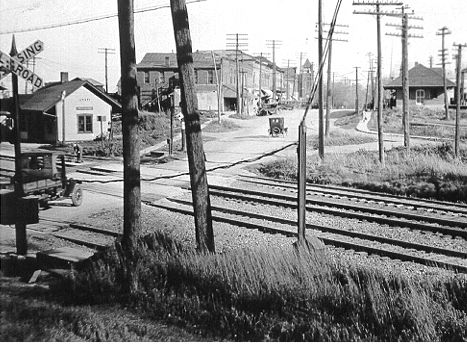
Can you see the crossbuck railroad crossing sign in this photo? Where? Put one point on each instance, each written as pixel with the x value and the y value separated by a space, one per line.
pixel 15 65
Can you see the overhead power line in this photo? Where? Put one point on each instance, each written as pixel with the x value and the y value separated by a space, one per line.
pixel 87 20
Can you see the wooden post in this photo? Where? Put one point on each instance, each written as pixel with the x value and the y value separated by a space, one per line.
pixel 320 83
pixel 20 226
pixel 130 118
pixel 301 181
pixel 172 113
pixel 328 90
pixel 380 90
pixel 195 150
pixel 63 117
pixel 458 99
pixel 218 89
pixel 405 81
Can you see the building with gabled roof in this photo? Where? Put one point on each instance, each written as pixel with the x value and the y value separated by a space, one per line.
pixel 67 111
pixel 425 86
pixel 155 71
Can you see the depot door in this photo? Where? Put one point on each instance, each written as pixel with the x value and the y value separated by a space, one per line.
pixel 419 97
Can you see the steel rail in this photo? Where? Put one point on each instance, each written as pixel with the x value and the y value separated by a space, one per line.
pixel 414 202
pixel 344 213
pixel 366 192
pixel 353 207
pixel 326 240
pixel 334 230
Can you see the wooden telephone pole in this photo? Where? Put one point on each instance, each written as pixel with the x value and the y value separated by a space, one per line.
pixel 378 14
pixel 357 108
pixel 443 32
pixel 130 120
pixel 107 51
pixel 405 67
pixel 274 44
pixel 237 41
pixel 329 88
pixel 320 83
pixel 195 150
pixel 459 96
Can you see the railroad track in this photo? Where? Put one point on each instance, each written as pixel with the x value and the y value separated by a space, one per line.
pixel 341 192
pixel 350 240
pixel 404 250
pixel 430 223
pixel 79 234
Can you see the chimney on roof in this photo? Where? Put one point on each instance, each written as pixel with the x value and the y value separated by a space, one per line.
pixel 63 77
pixel 416 63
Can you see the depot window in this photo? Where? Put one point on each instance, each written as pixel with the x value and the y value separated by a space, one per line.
pixel 84 123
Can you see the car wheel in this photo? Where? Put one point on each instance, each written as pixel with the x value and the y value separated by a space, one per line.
pixel 77 196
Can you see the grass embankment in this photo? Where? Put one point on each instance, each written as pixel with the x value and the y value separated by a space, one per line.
pixel 340 137
pixel 424 122
pixel 276 294
pixel 428 171
pixel 223 126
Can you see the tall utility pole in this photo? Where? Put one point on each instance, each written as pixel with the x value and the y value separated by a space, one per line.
pixel 372 80
pixel 194 140
pixel 237 41
pixel 287 78
pixel 130 120
pixel 357 108
pixel 273 44
pixel 405 68
pixel 443 32
pixel 329 89
pixel 106 51
pixel 320 83
pixel 378 14
pixel 459 96
pixel 218 88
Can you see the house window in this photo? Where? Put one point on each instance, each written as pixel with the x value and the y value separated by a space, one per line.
pixel 167 61
pixel 162 77
pixel 146 77
pixel 210 76
pixel 84 123
pixel 196 76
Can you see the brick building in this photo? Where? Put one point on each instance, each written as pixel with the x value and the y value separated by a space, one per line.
pixel 157 74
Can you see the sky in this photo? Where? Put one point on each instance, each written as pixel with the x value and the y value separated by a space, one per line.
pixel 74 48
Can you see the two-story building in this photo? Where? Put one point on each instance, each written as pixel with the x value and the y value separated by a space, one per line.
pixel 155 71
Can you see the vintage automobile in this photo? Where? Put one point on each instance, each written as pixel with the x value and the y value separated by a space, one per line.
pixel 276 126
pixel 44 175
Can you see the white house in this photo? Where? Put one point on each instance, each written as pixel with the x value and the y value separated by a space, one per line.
pixel 67 111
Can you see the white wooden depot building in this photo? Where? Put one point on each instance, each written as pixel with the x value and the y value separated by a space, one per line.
pixel 78 103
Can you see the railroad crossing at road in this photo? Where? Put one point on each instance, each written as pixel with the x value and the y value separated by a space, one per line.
pixel 15 64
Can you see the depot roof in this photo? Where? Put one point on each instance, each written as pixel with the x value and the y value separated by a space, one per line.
pixel 46 97
pixel 421 76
